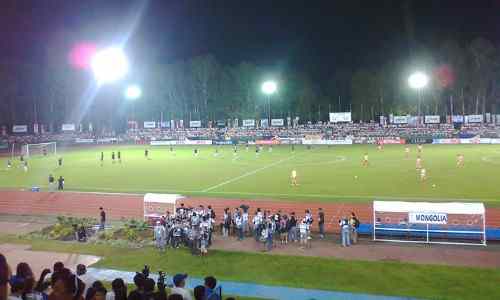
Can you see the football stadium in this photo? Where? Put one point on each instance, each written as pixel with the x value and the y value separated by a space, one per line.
pixel 191 154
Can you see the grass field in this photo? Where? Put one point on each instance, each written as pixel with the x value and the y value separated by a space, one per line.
pixel 384 277
pixel 325 173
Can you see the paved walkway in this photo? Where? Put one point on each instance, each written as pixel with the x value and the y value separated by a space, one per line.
pixel 249 289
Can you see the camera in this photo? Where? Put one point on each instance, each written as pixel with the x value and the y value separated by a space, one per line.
pixel 145 271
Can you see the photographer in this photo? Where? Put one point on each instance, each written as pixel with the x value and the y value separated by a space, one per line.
pixel 345 232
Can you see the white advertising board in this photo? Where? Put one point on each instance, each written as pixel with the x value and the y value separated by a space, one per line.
pixel 20 128
pixel 400 120
pixel 149 124
pixel 340 117
pixel 277 122
pixel 194 123
pixel 68 127
pixel 249 123
pixel 432 119
pixel 474 119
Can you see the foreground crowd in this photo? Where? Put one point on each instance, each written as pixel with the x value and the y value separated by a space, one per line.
pixel 194 227
pixel 61 283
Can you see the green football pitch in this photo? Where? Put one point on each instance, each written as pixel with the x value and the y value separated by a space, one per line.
pixel 325 173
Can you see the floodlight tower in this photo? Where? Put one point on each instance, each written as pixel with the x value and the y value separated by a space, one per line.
pixel 109 65
pixel 269 88
pixel 418 81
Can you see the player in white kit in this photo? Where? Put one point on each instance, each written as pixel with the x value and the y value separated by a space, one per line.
pixel 460 160
pixel 365 160
pixel 418 164
pixel 407 152
pixel 293 177
pixel 423 175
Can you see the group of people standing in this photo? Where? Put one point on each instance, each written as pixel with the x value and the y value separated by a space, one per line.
pixel 270 228
pixel 192 227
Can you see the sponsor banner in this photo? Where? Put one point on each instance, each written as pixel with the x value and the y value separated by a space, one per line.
pixel 221 123
pixel 264 123
pixel 422 140
pixel 222 142
pixel 400 120
pixel 498 119
pixel 446 141
pixel 391 141
pixel 165 124
pixel 340 117
pixel 107 140
pixel 494 141
pixel 195 124
pixel 327 142
pixel 149 124
pixel 457 119
pixel 277 122
pixel 485 141
pixel 427 218
pixel 267 142
pixel 163 143
pixel 20 128
pixel 414 120
pixel 474 119
pixel 84 141
pixel 474 140
pixel 248 123
pixel 68 127
pixel 290 141
pixel 4 130
pixel 182 142
pixel 364 140
pixel 432 120
pixel 4 145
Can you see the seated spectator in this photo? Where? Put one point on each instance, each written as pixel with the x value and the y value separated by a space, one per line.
pixel 96 293
pixel 210 292
pixel 66 286
pixel 81 272
pixel 139 284
pixel 199 293
pixel 180 283
pixel 4 277
pixel 118 290
pixel 16 288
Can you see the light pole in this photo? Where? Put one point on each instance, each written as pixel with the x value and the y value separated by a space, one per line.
pixel 132 93
pixel 109 65
pixel 418 81
pixel 269 88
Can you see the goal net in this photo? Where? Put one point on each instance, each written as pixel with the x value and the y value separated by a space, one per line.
pixel 43 149
pixel 428 222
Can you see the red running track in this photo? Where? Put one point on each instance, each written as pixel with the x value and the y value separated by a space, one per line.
pixel 119 206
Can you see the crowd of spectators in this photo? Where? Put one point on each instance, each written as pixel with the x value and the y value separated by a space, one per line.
pixel 324 131
pixel 61 283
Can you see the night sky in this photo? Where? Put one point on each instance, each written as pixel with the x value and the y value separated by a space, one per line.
pixel 314 36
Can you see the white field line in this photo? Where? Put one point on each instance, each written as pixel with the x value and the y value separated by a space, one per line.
pixel 301 195
pixel 247 174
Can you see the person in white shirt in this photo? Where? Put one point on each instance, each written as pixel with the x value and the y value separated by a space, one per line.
pixel 160 236
pixel 179 289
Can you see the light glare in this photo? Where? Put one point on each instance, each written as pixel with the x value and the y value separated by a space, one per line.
pixel 109 65
pixel 269 87
pixel 133 92
pixel 418 80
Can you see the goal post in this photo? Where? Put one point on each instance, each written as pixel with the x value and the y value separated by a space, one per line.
pixel 429 222
pixel 39 149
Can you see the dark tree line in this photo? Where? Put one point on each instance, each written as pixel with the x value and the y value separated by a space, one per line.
pixel 464 76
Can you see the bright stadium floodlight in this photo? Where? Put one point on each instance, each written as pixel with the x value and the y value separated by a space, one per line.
pixel 269 87
pixel 418 80
pixel 133 92
pixel 109 65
